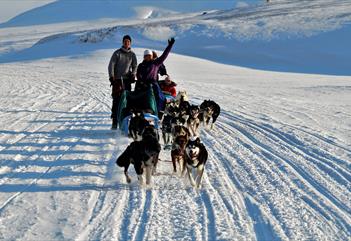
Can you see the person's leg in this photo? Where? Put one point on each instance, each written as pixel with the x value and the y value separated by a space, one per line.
pixel 114 109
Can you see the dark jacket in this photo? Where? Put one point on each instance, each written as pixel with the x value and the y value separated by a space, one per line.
pixel 147 71
pixel 162 70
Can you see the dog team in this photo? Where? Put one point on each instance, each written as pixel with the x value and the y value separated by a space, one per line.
pixel 180 120
pixel 180 133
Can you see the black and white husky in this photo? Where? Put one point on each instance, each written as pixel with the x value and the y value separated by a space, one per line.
pixel 171 112
pixel 142 154
pixel 137 125
pixel 193 121
pixel 209 109
pixel 196 158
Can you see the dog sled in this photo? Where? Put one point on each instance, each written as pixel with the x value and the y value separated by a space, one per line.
pixel 141 100
pixel 169 98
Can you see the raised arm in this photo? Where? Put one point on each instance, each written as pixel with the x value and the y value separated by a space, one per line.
pixel 165 53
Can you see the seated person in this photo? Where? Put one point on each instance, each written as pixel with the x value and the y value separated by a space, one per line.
pixel 168 87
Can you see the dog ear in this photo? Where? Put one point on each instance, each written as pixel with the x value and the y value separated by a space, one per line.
pixel 198 141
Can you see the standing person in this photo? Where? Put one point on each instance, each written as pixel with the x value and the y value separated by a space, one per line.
pixel 147 73
pixel 122 71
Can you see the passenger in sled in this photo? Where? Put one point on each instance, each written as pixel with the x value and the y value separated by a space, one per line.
pixel 168 89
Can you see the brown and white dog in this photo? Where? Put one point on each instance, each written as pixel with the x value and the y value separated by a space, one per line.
pixel 181 136
pixel 180 130
pixel 181 96
pixel 196 158
pixel 178 153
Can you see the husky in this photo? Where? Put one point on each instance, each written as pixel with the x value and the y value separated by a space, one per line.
pixel 150 132
pixel 196 158
pixel 181 96
pixel 209 109
pixel 171 112
pixel 193 121
pixel 142 154
pixel 137 125
pixel 167 131
pixel 178 153
pixel 180 130
pixel 184 111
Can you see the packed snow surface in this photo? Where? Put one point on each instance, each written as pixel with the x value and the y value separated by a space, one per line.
pixel 278 168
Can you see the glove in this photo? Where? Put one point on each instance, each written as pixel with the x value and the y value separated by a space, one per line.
pixel 171 41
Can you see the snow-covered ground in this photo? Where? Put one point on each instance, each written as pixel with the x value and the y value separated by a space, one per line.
pixel 279 157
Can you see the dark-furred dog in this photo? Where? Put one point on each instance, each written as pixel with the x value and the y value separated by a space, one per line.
pixel 178 153
pixel 209 109
pixel 171 112
pixel 180 130
pixel 151 132
pixel 184 110
pixel 196 158
pixel 181 136
pixel 142 155
pixel 137 125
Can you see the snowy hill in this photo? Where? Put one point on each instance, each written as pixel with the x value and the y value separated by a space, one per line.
pixel 279 156
pixel 274 36
pixel 81 10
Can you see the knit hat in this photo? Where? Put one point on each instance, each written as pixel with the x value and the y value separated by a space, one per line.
pixel 147 52
pixel 127 37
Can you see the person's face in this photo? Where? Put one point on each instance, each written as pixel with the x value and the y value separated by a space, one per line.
pixel 126 43
pixel 147 57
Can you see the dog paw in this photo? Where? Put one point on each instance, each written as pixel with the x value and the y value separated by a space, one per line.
pixel 129 180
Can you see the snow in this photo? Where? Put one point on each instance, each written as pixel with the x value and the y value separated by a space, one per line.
pixel 279 155
pixel 9 10
pixel 316 32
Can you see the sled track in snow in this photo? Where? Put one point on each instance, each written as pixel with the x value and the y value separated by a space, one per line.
pixel 6 180
pixel 236 133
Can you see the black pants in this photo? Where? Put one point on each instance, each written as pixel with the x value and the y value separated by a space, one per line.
pixel 116 96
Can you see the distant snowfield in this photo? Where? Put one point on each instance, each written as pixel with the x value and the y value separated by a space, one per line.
pixel 289 36
pixel 278 169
